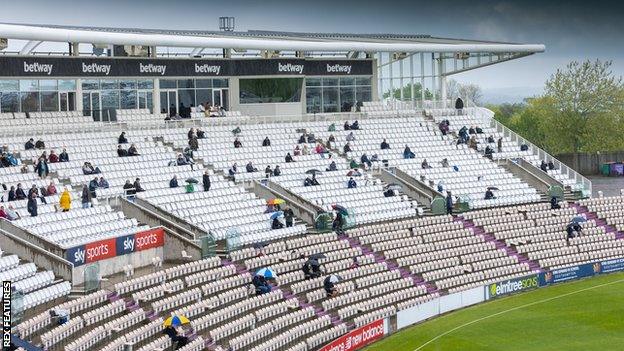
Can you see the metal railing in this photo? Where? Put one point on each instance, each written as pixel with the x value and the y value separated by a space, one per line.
pixel 488 116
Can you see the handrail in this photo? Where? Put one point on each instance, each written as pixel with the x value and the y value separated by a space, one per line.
pixel 487 114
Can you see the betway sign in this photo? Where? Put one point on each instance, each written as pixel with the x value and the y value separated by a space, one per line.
pixel 109 248
pixel 22 66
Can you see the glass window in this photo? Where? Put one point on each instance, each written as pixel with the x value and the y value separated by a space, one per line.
pixel 49 101
pixel 186 98
pixel 347 81
pixel 203 83
pixel 128 99
pixel 363 80
pixel 220 83
pixel 313 82
pixel 28 85
pixel 167 84
pixel 109 84
pixel 9 85
pixel 363 94
pixel 30 102
pixel 330 99
pixel 67 85
pixel 9 101
pixel 186 83
pixel 347 98
pixel 145 99
pixel 330 82
pixel 127 84
pixel 90 84
pixel 313 99
pixel 47 84
pixel 110 99
pixel 203 96
pixel 146 84
pixel 270 90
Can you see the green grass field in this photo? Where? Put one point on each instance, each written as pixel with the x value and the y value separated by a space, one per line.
pixel 582 315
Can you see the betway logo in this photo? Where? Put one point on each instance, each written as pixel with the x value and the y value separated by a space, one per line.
pixel 152 68
pixel 289 68
pixel 95 68
pixel 339 68
pixel 205 68
pixel 37 67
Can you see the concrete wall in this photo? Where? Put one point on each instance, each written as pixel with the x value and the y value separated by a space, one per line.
pixel 175 244
pixel 40 257
pixel 115 264
pixel 589 164
pixel 32 239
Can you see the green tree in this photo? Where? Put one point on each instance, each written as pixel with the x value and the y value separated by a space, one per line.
pixel 396 92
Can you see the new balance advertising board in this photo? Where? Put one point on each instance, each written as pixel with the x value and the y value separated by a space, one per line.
pixel 358 338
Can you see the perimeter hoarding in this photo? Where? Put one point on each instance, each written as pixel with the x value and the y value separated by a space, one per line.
pixel 359 337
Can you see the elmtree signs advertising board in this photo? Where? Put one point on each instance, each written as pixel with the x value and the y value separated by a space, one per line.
pixel 358 338
pixel 109 248
pixel 17 66
pixel 511 286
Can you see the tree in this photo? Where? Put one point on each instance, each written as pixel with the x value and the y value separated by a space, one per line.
pixel 471 92
pixel 452 88
pixel 396 92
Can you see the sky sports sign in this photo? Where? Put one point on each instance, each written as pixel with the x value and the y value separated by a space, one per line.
pixel 511 286
pixel 19 66
pixel 109 248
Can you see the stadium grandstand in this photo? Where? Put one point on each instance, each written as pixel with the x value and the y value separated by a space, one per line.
pixel 257 190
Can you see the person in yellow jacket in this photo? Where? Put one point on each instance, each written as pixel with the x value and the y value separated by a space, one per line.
pixel 65 201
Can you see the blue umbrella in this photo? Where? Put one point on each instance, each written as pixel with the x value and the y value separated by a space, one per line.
pixel 267 273
pixel 339 208
pixel 578 219
pixel 277 214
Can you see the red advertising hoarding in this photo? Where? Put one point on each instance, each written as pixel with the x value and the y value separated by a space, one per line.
pixel 149 239
pixel 100 250
pixel 358 338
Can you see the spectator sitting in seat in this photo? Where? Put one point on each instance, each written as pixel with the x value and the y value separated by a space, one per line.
pixel 261 285
pixel 351 184
pixel 176 339
pixel 233 170
pixel 489 152
pixel 350 137
pixel 93 185
pixel 268 172
pixel 63 156
pixel 103 183
pixel 389 193
pixel 489 195
pixel 471 130
pixel 53 157
pixel 355 125
pixel 40 144
pixel 191 133
pixel 276 224
pixel 444 162
pixel 332 167
pixel 266 142
pixel 277 171
pixel 87 169
pixel 302 139
pixel 250 168
pixel 424 164
pixel 237 143
pixel 51 189
pixel 137 185
pixel 181 160
pixel 330 289
pixel 544 166
pixel 307 181
pixel 346 125
pixel 289 158
pixel 490 139
pixel 346 148
pixel 310 138
pixel 132 150
pixel 320 149
pixel 407 153
pixel 472 143
pixel 365 160
pixel 30 144
pixel 305 150
pixel 128 188
pixel 385 145
pixel 297 151
pixel 11 194
pixel 34 191
pixel 122 138
pixel 551 165
pixel 3 213
pixel 12 214
pixel 200 133
pixel 173 183
pixel 121 152
pixel 331 138
pixel 314 181
pixel 19 192
pixel 479 130
pixel 554 204
pixel 194 144
pixel 337 223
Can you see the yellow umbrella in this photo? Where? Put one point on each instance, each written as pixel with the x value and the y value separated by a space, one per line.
pixel 176 321
pixel 275 202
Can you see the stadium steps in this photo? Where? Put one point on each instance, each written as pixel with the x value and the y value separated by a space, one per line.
pixel 479 231
pixel 583 210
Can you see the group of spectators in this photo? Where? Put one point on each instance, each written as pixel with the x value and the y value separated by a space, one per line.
pixel 184 111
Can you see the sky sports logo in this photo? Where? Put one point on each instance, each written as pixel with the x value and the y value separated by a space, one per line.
pixel 6 314
pixel 512 286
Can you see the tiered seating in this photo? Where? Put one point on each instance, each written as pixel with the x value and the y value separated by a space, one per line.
pixel 139 116
pixel 441 251
pixel 540 233
pixel 38 287
pixel 611 209
pixel 39 119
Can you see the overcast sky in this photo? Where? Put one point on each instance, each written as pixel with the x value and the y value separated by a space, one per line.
pixel 571 30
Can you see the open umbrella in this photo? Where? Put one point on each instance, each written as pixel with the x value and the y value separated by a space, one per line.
pixel 332 279
pixel 176 321
pixel 578 219
pixel 313 171
pixel 354 173
pixel 492 188
pixel 313 262
pixel 277 214
pixel 236 131
pixel 192 180
pixel 259 245
pixel 317 256
pixel 267 273
pixel 340 209
pixel 393 186
pixel 275 201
